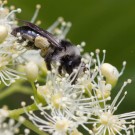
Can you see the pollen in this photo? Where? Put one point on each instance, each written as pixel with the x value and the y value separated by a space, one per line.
pixel 105 118
pixel 43 92
pixel 38 6
pixel 62 125
pixel 5 1
pixel 12 7
pixel 109 120
pixel 38 22
pixel 41 42
pixel 56 100
pixel 86 83
pixel 19 10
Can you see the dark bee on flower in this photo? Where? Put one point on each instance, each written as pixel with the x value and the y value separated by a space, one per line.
pixel 52 49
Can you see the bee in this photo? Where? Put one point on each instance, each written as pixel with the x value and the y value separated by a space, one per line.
pixel 52 49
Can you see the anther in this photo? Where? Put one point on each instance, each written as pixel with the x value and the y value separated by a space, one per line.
pixel 38 6
pixel 97 51
pixel 23 103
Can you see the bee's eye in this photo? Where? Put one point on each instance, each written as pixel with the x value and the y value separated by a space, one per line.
pixel 68 57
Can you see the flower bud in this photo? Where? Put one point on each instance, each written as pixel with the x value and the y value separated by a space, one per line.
pixel 3 33
pixel 110 73
pixel 31 70
pixel 87 86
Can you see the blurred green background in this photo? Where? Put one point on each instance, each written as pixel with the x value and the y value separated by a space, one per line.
pixel 103 24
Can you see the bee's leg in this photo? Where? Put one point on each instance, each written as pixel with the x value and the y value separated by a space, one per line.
pixel 74 80
pixel 28 37
pixel 48 62
pixel 69 70
pixel 60 69
pixel 30 46
pixel 48 65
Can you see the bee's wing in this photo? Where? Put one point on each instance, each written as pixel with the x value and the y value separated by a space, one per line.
pixel 44 33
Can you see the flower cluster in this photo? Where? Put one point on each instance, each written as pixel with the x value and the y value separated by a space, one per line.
pixel 9 48
pixel 10 128
pixel 65 106
pixel 12 50
pixel 65 103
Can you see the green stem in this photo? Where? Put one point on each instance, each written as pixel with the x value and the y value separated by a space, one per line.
pixel 2 86
pixel 31 126
pixel 5 93
pixel 24 90
pixel 14 114
pixel 34 91
pixel 17 112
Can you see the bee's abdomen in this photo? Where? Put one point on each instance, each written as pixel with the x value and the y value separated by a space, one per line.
pixel 25 32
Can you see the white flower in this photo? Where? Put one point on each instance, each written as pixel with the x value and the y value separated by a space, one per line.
pixel 3 115
pixel 55 122
pixel 107 122
pixel 7 17
pixel 60 93
pixel 69 105
pixel 9 127
pixel 66 108
pixel 98 76
pixel 10 50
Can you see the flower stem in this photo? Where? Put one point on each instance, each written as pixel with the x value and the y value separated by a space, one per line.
pixel 34 91
pixel 15 113
pixel 31 126
pixel 5 93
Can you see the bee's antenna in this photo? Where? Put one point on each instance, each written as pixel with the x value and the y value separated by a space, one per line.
pixel 19 20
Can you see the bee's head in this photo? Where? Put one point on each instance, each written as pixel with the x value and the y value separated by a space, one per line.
pixel 15 31
pixel 74 61
pixel 21 30
pixel 70 62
